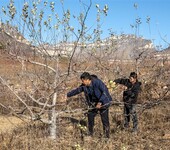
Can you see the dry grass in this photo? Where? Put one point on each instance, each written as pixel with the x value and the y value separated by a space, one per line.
pixel 153 133
pixel 15 134
pixel 9 123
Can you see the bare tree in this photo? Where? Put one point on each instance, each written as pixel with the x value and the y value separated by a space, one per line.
pixel 47 60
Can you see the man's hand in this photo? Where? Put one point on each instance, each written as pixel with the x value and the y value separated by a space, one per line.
pixel 99 105
pixel 124 87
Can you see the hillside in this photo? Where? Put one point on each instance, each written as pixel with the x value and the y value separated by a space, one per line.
pixel 119 47
pixel 128 47
pixel 11 41
pixel 166 51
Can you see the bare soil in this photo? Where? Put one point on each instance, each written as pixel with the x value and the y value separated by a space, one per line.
pixel 9 123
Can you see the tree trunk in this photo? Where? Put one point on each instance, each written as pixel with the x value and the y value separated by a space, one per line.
pixel 53 127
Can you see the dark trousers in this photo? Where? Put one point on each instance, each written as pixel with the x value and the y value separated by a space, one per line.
pixel 104 114
pixel 130 110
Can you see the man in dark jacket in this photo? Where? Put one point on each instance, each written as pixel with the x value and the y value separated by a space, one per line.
pixel 98 100
pixel 130 95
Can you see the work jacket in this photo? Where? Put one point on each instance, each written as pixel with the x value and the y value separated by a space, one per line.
pixel 130 95
pixel 94 93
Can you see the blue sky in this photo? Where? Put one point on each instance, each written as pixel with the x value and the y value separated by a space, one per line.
pixel 122 14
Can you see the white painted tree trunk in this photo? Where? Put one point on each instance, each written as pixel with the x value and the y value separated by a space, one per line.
pixel 53 127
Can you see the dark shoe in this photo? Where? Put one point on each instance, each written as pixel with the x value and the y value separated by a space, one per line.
pixel 106 140
pixel 134 130
pixel 126 126
pixel 88 134
pixel 107 136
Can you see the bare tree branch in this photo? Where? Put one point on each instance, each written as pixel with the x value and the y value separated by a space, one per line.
pixel 19 98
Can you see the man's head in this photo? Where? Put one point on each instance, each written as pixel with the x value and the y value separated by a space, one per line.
pixel 86 78
pixel 133 77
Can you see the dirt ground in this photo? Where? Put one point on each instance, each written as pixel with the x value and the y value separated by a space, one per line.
pixel 154 133
pixel 7 124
